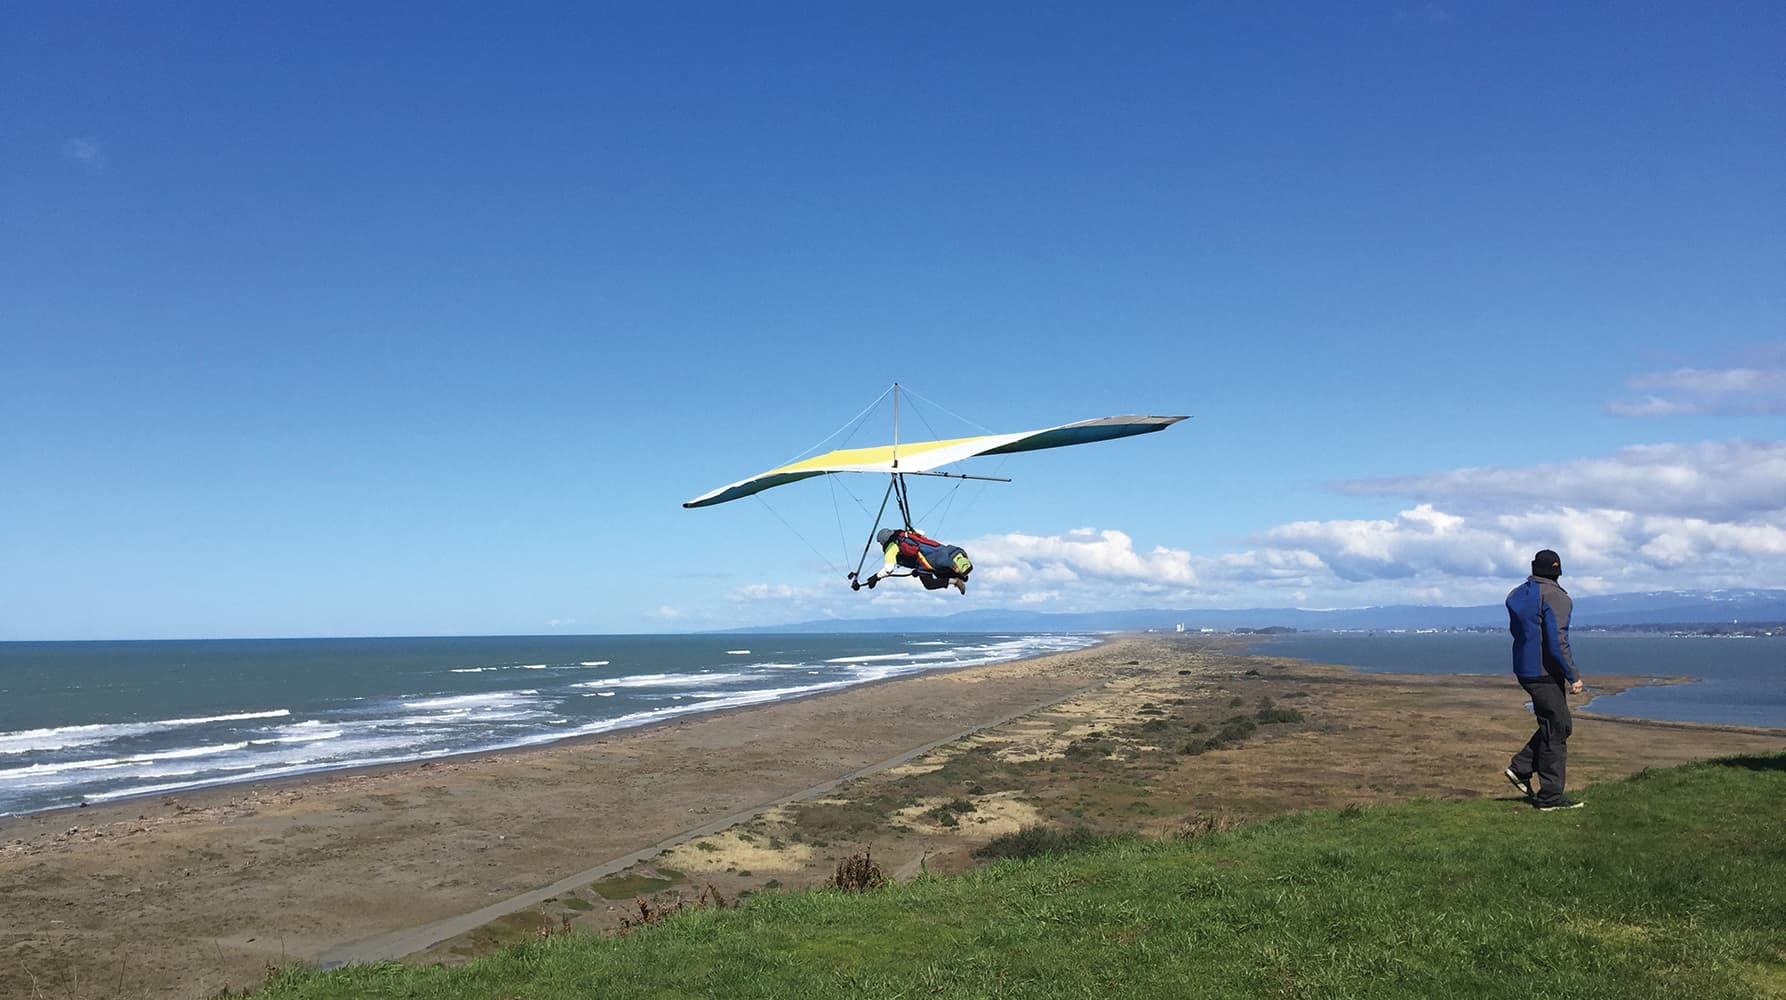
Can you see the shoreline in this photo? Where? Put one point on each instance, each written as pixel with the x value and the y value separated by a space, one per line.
pixel 9 820
pixel 1640 722
pixel 1236 644
pixel 401 944
pixel 200 892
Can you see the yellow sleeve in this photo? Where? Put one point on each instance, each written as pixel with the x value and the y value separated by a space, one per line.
pixel 892 555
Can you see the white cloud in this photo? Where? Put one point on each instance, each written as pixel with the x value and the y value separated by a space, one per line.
pixel 1650 406
pixel 1714 383
pixel 1650 517
pixel 1603 551
pixel 1086 552
pixel 1421 539
pixel 1081 570
pixel 1682 542
pixel 85 151
pixel 771 592
pixel 1716 480
pixel 1715 392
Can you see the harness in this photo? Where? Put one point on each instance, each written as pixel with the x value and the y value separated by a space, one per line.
pixel 912 545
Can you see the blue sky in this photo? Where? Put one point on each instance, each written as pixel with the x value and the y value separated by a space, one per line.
pixel 410 319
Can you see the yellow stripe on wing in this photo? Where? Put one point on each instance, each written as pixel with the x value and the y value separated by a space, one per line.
pixel 878 455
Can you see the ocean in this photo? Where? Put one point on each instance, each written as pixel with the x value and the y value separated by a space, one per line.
pixel 1738 681
pixel 97 721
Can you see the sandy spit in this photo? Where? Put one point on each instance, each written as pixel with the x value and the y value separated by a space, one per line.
pixel 185 895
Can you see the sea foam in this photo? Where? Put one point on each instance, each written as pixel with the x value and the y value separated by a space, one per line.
pixel 662 680
pixel 65 737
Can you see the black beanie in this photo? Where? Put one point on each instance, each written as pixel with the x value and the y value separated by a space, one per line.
pixel 1547 564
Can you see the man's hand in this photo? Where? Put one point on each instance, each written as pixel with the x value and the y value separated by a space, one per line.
pixel 871 581
pixel 1575 688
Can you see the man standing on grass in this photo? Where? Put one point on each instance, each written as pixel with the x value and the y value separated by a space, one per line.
pixel 1538 615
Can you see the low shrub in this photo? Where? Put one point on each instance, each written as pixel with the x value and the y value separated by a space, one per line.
pixel 857 873
pixel 1236 730
pixel 1035 841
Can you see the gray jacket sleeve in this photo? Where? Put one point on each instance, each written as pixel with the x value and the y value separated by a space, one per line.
pixel 1562 606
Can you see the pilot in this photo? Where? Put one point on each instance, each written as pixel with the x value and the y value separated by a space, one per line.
pixel 934 564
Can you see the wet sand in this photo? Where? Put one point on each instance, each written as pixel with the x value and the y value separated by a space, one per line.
pixel 181 896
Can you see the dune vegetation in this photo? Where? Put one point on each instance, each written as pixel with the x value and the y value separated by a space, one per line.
pixel 1671 883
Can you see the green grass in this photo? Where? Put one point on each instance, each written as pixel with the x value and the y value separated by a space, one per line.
pixel 1670 884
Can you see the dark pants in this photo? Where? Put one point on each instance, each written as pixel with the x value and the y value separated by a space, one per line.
pixel 944 569
pixel 1547 752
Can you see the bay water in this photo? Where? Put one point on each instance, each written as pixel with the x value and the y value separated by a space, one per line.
pixel 1736 680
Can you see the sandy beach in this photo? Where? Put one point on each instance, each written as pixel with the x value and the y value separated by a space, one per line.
pixel 182 896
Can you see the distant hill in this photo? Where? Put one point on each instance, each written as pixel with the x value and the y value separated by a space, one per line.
pixel 1668 607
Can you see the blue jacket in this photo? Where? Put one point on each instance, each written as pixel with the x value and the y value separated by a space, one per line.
pixel 1538 616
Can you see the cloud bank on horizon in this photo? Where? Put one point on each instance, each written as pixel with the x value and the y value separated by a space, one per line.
pixel 1646 517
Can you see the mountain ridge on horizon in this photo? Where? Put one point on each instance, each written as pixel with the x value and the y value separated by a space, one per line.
pixel 1659 607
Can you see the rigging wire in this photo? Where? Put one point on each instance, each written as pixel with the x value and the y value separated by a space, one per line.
pixel 896 488
pixel 854 424
pixel 974 496
pixel 859 504
pixel 839 479
pixel 947 501
pixel 877 520
pixel 826 559
pixel 931 402
pixel 843 545
pixel 904 508
pixel 926 422
pixel 857 420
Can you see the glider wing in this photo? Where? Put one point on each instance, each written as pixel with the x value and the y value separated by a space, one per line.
pixel 923 456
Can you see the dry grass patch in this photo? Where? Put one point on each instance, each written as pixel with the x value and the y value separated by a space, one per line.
pixel 990 815
pixel 730 851
pixel 923 766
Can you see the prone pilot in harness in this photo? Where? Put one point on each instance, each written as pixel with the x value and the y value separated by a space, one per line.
pixel 934 564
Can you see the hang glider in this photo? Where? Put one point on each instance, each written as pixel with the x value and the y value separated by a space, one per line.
pixel 925 457
pixel 900 459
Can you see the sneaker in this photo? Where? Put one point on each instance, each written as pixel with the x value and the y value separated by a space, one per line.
pixel 1523 784
pixel 1560 804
